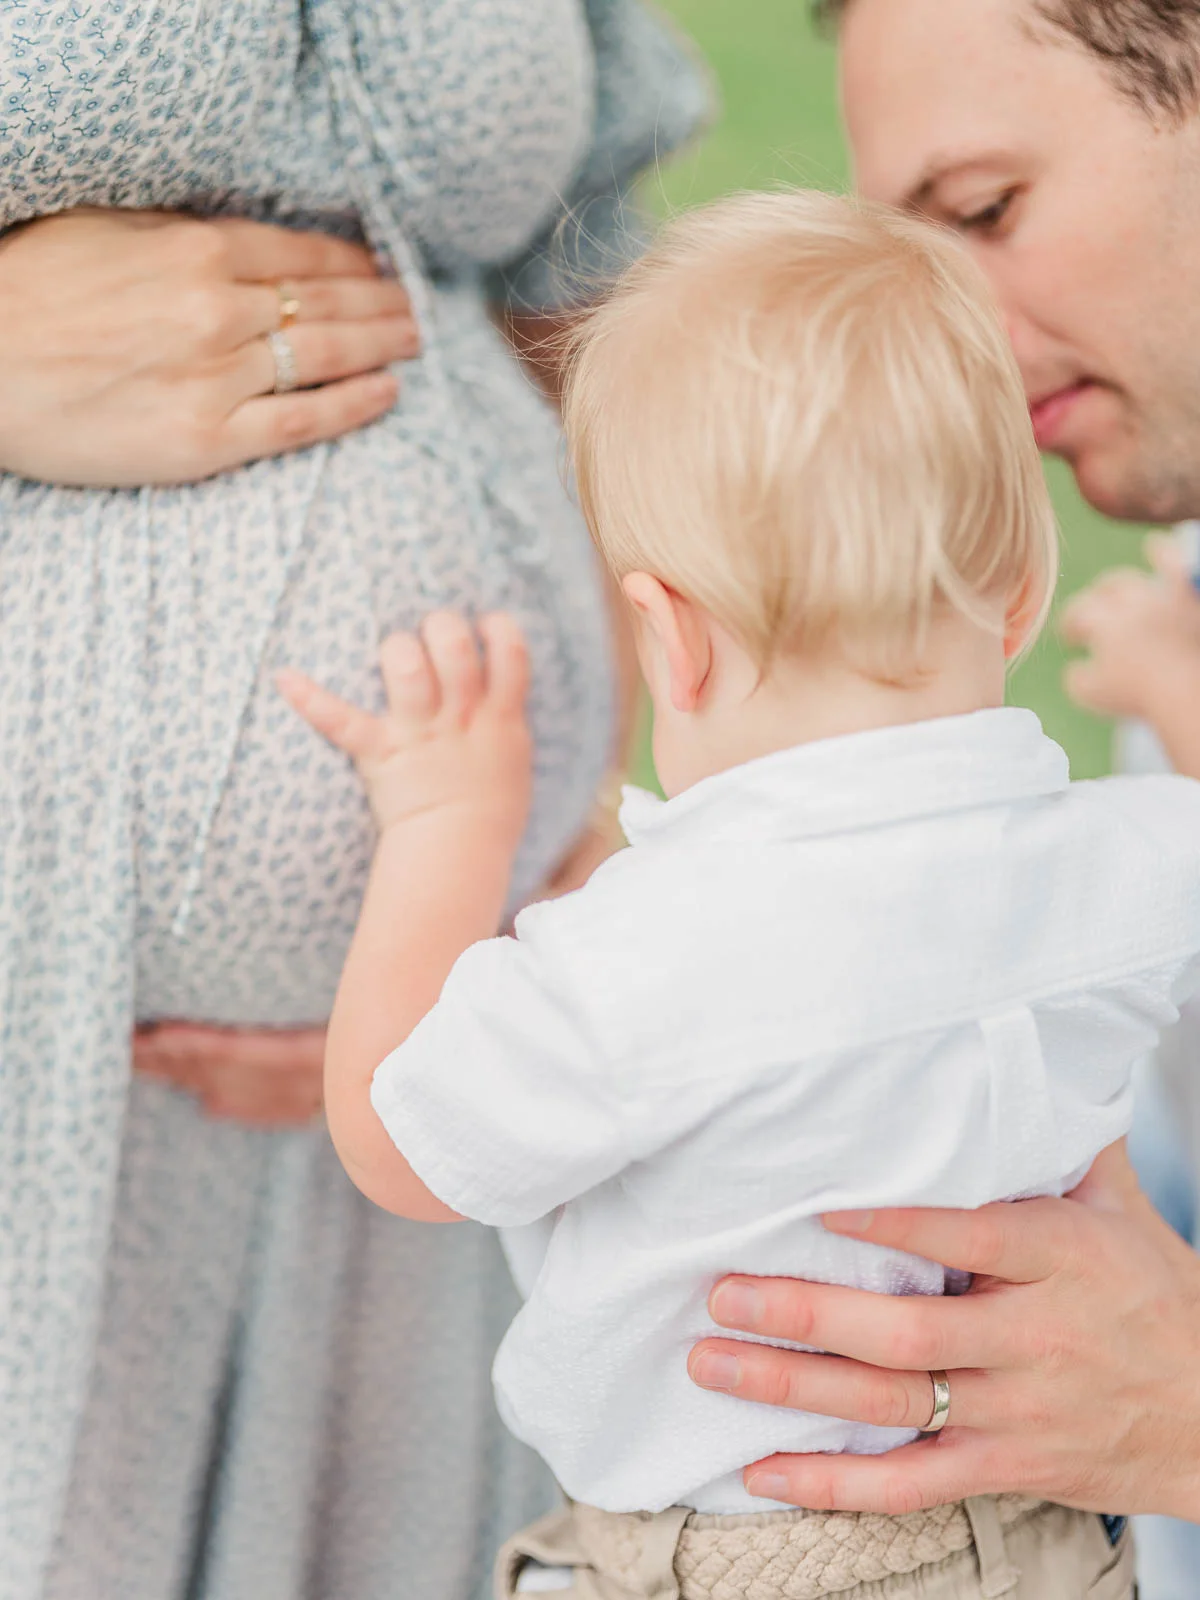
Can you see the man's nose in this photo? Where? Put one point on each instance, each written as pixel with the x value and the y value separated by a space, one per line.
pixel 1028 346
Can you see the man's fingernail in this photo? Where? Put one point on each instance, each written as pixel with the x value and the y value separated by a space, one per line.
pixel 713 1370
pixel 768 1485
pixel 849 1221
pixel 738 1305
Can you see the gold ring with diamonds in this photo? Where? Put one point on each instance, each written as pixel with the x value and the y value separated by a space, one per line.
pixel 287 375
pixel 289 307
pixel 941 1403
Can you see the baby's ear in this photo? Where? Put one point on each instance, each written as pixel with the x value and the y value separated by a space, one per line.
pixel 674 641
pixel 1020 615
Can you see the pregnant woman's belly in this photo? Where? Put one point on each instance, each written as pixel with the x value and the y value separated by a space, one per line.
pixel 249 840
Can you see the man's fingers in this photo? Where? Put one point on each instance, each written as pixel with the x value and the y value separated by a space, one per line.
pixel 259 251
pixel 1021 1242
pixel 361 735
pixel 913 1333
pixel 953 1465
pixel 1111 1184
pixel 827 1385
pixel 271 425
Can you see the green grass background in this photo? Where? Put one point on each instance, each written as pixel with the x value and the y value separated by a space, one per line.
pixel 779 123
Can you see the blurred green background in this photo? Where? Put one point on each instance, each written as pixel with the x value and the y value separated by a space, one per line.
pixel 779 124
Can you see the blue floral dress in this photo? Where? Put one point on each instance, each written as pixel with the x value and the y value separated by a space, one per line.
pixel 224 1376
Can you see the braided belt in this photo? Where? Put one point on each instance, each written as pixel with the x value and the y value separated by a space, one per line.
pixel 803 1556
pixel 769 1555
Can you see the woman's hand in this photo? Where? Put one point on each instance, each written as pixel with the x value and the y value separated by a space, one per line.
pixel 1074 1360
pixel 135 349
pixel 261 1078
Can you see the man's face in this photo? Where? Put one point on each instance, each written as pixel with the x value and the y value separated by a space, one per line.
pixel 1082 210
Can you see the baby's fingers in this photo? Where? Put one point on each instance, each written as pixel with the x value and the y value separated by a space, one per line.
pixel 506 659
pixel 1166 556
pixel 351 729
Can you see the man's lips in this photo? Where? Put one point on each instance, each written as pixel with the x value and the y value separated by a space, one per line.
pixel 1050 412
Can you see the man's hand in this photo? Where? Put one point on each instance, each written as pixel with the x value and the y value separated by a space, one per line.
pixel 1074 1360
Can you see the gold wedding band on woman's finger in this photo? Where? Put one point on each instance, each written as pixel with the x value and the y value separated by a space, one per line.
pixel 289 307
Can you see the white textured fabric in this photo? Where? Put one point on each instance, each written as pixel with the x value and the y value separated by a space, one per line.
pixel 910 966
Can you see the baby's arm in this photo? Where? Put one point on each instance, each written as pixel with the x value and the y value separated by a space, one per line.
pixel 448 769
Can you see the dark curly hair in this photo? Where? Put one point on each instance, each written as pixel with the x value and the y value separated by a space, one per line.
pixel 1151 48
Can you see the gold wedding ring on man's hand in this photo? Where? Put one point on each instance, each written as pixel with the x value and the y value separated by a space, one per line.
pixel 941 1403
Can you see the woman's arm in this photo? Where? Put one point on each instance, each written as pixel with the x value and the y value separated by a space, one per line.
pixel 135 345
pixel 1074 1360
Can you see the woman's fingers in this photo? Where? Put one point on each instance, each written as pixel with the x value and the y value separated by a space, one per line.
pixel 282 1050
pixel 271 425
pixel 344 300
pixel 261 252
pixel 362 736
pixel 266 1079
pixel 257 1100
pixel 830 1386
pixel 224 317
pixel 323 352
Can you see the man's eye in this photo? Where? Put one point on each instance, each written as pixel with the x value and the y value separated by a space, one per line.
pixel 988 218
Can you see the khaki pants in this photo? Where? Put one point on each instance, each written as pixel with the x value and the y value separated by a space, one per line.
pixel 976 1550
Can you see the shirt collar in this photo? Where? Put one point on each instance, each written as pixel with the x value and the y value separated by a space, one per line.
pixel 861 780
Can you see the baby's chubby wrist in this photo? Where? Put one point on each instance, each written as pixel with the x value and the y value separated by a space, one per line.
pixel 1164 679
pixel 497 823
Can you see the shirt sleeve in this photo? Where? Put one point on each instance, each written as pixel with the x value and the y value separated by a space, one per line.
pixel 497 1099
pixel 652 94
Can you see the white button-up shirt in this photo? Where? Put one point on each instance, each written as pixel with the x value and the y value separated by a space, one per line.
pixel 912 966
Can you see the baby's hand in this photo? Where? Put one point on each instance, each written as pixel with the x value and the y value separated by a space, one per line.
pixel 454 736
pixel 1142 634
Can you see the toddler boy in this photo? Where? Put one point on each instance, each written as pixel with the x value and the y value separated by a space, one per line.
pixel 873 950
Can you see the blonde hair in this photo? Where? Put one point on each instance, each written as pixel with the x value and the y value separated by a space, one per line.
pixel 803 414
